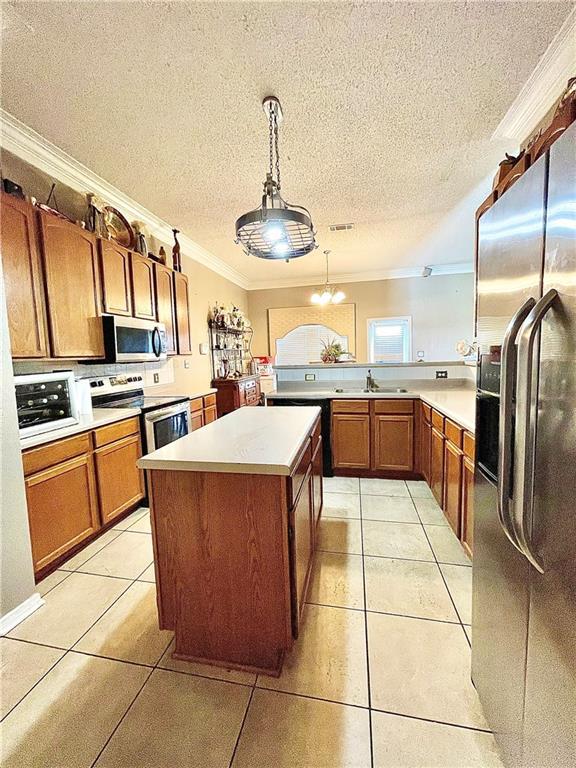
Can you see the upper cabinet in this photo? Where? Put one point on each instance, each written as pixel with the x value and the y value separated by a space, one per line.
pixel 165 304
pixel 182 300
pixel 72 274
pixel 23 279
pixel 143 294
pixel 116 289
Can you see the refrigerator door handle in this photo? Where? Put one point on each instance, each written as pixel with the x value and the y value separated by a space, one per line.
pixel 507 385
pixel 527 412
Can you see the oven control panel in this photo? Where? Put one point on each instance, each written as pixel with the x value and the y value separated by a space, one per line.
pixel 120 383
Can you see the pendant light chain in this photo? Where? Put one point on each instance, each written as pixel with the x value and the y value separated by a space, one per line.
pixel 271 140
pixel 277 150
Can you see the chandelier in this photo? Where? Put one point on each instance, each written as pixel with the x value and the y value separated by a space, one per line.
pixel 276 229
pixel 329 295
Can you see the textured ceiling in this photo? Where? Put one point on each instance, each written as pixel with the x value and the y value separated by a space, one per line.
pixel 389 109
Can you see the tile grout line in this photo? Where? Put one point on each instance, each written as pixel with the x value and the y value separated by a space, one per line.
pixel 242 723
pixel 366 632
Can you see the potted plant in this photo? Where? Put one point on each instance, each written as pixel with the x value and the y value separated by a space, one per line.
pixel 331 351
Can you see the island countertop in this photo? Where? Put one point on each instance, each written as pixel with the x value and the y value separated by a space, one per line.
pixel 258 441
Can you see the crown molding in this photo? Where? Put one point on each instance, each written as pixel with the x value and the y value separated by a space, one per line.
pixel 543 87
pixel 462 268
pixel 25 143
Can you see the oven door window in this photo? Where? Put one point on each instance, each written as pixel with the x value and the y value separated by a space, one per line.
pixel 169 429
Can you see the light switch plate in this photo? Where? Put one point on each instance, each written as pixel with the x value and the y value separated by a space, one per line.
pixel 186 363
pixel 204 348
pixel 156 378
pixel 309 377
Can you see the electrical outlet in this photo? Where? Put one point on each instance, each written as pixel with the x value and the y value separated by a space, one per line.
pixel 309 377
pixel 156 378
pixel 441 374
pixel 186 363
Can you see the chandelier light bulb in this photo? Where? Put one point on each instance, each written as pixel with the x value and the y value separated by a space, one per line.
pixel 325 298
pixel 338 297
pixel 315 298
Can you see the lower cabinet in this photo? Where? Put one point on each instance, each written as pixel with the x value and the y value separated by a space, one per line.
pixel 119 487
pixel 425 440
pixel 317 482
pixel 467 515
pixel 77 485
pixel 302 531
pixel 203 410
pixel 452 484
pixel 351 441
pixel 436 482
pixel 393 442
pixel 62 508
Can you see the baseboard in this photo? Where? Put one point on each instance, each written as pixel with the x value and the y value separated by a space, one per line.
pixel 21 612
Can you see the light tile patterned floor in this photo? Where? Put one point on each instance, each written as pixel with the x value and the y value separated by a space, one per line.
pixel 379 677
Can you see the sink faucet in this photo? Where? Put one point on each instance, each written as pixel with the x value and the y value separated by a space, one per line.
pixel 371 385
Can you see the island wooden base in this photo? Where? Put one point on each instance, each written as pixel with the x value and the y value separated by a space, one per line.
pixel 232 556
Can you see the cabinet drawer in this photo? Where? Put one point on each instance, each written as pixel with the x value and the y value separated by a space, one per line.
pixel 438 421
pixel 37 459
pixel 196 404
pixel 252 398
pixel 350 406
pixel 469 445
pixel 209 400
pixel 116 431
pixel 453 432
pixel 393 406
pixel 427 413
pixel 299 473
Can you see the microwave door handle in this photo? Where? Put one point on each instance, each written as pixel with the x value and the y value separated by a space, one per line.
pixel 507 383
pixel 156 342
pixel 527 412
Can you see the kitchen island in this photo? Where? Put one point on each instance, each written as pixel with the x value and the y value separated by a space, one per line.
pixel 234 510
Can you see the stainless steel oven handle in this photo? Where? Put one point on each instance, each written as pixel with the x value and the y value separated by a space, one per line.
pixel 507 382
pixel 173 410
pixel 526 422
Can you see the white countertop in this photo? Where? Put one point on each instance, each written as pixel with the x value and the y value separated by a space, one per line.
pixel 100 417
pixel 259 441
pixel 458 403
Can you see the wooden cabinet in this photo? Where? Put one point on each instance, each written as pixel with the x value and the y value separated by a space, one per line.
pixel 202 411
pixel 72 274
pixel 182 310
pixel 425 443
pixel 452 484
pixel 467 516
pixel 23 279
pixel 196 420
pixel 165 308
pixel 236 393
pixel 317 482
pixel 120 484
pixel 210 414
pixel 62 508
pixel 301 527
pixel 437 465
pixel 393 442
pixel 115 270
pixel 350 441
pixel 142 280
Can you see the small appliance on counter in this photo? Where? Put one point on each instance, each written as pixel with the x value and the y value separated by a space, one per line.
pixel 46 401
pixel 265 369
pixel 163 418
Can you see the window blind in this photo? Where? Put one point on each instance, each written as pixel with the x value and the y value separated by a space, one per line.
pixel 304 344
pixel 389 340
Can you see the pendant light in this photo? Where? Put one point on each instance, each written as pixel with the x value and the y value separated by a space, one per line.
pixel 328 294
pixel 276 229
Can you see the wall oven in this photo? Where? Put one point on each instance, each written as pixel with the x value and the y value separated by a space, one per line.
pixel 46 401
pixel 130 340
pixel 164 425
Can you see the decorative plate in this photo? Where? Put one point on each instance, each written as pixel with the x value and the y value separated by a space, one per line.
pixel 118 228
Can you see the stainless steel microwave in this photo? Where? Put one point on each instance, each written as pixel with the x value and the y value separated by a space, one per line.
pixel 130 340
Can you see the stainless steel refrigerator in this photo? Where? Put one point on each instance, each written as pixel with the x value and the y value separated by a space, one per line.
pixel 524 565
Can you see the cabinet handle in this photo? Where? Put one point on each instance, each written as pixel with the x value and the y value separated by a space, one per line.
pixel 506 421
pixel 526 420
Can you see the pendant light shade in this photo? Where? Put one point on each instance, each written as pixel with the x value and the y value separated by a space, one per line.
pixel 328 295
pixel 276 229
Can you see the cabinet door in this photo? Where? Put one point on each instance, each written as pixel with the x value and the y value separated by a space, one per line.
pixel 115 268
pixel 467 515
pixel 196 420
pixel 72 272
pixel 142 279
pixel 119 481
pixel 425 447
pixel 165 304
pixel 62 508
pixel 302 546
pixel 351 441
pixel 437 466
pixel 452 484
pixel 393 442
pixel 23 279
pixel 210 414
pixel 182 301
pixel 317 483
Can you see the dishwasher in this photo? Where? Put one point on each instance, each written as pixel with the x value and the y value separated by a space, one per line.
pixel 325 419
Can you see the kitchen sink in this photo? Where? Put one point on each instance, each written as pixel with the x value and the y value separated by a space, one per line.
pixel 380 390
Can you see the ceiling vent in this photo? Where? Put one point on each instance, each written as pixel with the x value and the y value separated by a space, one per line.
pixel 341 227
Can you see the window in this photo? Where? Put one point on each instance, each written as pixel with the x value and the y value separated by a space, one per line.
pixel 390 339
pixel 304 344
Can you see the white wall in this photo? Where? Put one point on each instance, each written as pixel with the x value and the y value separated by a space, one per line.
pixel 16 570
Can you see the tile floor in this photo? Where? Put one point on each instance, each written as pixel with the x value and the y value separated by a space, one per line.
pixel 379 677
